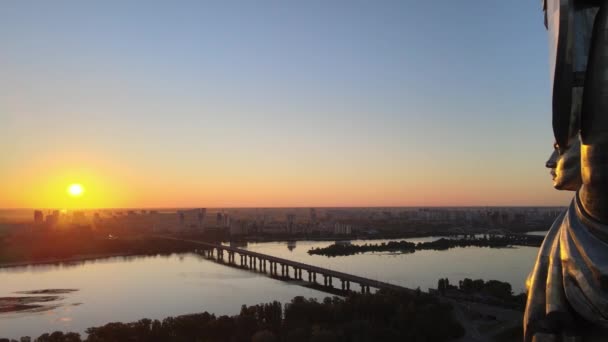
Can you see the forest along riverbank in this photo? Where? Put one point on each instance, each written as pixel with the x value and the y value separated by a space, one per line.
pixel 343 249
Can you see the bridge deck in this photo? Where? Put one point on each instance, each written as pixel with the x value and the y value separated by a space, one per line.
pixel 309 268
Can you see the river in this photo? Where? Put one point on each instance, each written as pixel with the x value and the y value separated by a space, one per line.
pixel 129 288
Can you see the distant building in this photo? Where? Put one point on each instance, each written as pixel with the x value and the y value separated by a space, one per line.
pixel 226 220
pixel 201 218
pixel 342 229
pixel 192 219
pixel 182 218
pixel 291 218
pixel 237 227
pixel 313 216
pixel 52 220
pixel 219 218
pixel 38 217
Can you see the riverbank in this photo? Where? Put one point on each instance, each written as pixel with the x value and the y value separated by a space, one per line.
pixel 75 258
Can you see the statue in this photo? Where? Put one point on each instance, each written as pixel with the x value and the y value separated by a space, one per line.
pixel 568 287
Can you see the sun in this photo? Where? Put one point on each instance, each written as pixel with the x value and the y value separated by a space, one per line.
pixel 75 190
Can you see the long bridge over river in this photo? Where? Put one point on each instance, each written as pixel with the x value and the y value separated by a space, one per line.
pixel 287 269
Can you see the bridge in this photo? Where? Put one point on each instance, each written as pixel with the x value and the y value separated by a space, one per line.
pixel 287 269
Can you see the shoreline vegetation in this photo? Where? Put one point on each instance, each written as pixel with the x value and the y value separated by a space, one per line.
pixel 53 261
pixel 67 247
pixel 341 249
pixel 74 247
pixel 383 316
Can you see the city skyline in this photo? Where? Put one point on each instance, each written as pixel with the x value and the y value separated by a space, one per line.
pixel 225 105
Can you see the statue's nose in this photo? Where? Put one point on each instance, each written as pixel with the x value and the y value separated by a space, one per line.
pixel 552 162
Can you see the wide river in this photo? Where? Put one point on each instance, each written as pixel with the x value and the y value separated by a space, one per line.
pixel 128 289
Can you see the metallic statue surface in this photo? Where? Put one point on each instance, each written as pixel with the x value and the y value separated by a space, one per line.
pixel 568 287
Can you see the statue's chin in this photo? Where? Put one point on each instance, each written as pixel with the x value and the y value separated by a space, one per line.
pixel 566 185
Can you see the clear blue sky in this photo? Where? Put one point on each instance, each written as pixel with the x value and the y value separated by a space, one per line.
pixel 277 103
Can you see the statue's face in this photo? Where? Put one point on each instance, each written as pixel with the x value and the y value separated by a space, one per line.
pixel 566 167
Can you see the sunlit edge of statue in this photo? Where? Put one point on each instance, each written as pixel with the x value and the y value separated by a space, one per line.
pixel 568 287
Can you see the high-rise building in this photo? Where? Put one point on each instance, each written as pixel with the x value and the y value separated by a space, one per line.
pixel 219 218
pixel 226 220
pixel 201 217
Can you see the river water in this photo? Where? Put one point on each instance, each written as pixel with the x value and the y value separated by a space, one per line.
pixel 131 288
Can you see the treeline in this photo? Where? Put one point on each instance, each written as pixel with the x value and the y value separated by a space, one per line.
pixel 68 244
pixel 374 317
pixel 492 292
pixel 403 246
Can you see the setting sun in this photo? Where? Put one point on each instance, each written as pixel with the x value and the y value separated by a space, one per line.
pixel 75 190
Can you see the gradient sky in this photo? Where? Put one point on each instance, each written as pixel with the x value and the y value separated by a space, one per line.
pixel 274 103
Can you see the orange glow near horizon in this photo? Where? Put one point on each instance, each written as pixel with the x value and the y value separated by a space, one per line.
pixel 118 182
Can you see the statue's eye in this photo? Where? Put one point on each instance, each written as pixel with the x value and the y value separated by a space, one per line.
pixel 556 146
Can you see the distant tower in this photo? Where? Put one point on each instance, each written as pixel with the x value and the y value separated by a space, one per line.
pixel 290 223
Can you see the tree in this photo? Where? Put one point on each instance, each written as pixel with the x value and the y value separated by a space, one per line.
pixel 264 336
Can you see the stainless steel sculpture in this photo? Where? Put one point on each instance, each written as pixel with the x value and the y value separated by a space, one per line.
pixel 568 287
